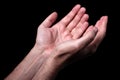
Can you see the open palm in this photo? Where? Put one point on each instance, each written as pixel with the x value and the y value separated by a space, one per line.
pixel 70 27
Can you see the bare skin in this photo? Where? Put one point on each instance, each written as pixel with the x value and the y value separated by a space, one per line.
pixel 57 43
pixel 51 36
pixel 85 44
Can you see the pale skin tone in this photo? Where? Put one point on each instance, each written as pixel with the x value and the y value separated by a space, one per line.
pixel 55 44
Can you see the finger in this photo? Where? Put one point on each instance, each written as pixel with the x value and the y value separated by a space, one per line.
pixel 72 46
pixel 81 27
pixel 84 18
pixel 88 29
pixel 78 31
pixel 87 38
pixel 49 20
pixel 101 25
pixel 65 21
pixel 76 19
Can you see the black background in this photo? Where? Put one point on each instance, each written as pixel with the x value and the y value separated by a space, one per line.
pixel 19 22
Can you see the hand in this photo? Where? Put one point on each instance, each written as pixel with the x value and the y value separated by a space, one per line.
pixel 49 36
pixel 72 46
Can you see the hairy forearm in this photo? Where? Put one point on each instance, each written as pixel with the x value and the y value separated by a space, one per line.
pixel 29 65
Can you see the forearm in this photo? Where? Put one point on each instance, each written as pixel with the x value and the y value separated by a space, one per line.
pixel 51 67
pixel 48 71
pixel 29 66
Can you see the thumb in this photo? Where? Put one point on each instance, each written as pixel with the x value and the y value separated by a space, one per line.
pixel 86 39
pixel 49 20
pixel 73 46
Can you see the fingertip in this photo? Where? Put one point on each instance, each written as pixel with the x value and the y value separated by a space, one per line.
pixel 78 5
pixel 87 16
pixel 106 17
pixel 55 13
pixel 90 26
pixel 86 23
pixel 95 29
pixel 83 9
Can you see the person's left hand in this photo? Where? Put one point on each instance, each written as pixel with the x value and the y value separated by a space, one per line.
pixel 49 36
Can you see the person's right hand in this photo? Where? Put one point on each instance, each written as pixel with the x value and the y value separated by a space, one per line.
pixel 82 46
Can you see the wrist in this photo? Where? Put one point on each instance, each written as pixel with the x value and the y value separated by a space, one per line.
pixel 59 59
pixel 48 70
pixel 55 59
pixel 50 67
